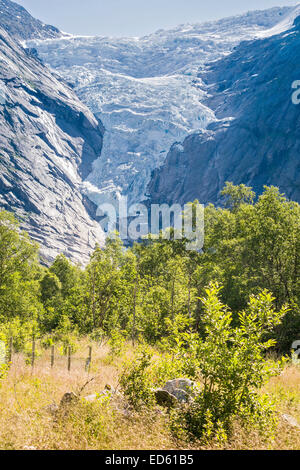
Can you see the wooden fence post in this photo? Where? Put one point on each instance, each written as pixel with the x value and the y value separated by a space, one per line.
pixel 10 350
pixel 89 360
pixel 69 358
pixel 33 352
pixel 52 356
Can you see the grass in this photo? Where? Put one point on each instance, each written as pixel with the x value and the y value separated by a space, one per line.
pixel 25 421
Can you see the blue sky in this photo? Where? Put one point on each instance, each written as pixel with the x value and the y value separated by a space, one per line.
pixel 136 17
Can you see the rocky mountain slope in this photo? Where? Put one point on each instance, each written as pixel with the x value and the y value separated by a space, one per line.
pixel 48 142
pixel 147 92
pixel 255 139
pixel 21 25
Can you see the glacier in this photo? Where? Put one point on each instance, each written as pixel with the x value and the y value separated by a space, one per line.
pixel 147 92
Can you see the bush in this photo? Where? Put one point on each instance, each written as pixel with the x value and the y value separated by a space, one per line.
pixel 66 334
pixel 117 342
pixel 21 331
pixel 232 367
pixel 136 383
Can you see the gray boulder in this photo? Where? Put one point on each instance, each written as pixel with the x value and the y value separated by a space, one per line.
pixel 68 399
pixel 165 399
pixel 20 24
pixel 256 138
pixel 177 386
pixel 291 421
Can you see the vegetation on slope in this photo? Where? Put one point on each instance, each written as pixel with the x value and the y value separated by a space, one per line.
pixel 209 316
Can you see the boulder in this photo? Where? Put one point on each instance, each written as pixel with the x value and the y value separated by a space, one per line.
pixel 186 385
pixel 291 421
pixel 108 391
pixel 68 399
pixel 164 398
pixel 181 395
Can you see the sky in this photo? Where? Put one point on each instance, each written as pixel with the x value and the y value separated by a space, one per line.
pixel 136 17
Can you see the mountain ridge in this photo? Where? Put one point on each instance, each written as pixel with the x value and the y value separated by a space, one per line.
pixel 146 91
pixel 47 139
pixel 21 25
pixel 254 139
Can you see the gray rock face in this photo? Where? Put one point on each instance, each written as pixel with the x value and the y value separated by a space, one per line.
pixel 48 141
pixel 255 140
pixel 21 25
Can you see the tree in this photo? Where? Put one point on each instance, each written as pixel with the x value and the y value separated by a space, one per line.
pixel 50 287
pixel 67 273
pixel 232 365
pixel 236 195
pixel 18 270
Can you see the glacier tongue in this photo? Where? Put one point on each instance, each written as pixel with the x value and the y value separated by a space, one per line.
pixel 142 122
pixel 146 91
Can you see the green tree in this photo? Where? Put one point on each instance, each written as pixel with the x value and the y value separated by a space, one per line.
pixel 50 287
pixel 19 287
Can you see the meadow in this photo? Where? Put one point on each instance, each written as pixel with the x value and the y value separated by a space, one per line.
pixel 27 423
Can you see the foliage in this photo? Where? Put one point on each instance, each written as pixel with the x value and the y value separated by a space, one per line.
pixel 136 383
pixel 232 365
pixel 117 342
pixel 146 290
pixel 18 271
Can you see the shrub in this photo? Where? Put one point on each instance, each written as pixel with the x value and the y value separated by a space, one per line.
pixel 232 366
pixel 117 342
pixel 136 383
pixel 66 334
pixel 21 331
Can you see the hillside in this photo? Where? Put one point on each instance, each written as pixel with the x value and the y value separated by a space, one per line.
pixel 146 91
pixel 48 141
pixel 255 138
pixel 21 25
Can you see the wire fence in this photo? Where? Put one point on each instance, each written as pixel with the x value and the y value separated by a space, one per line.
pixel 52 355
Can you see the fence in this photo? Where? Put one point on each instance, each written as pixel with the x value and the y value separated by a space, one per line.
pixel 54 357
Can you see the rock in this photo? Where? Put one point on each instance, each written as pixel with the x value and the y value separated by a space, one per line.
pixel 68 399
pixel 2 353
pixel 107 392
pixel 164 398
pixel 48 142
pixel 91 398
pixel 19 23
pixel 291 421
pixel 51 409
pixel 29 448
pixel 109 387
pixel 174 392
pixel 256 138
pixel 182 384
pixel 181 395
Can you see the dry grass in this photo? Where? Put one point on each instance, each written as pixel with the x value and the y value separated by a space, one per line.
pixel 25 423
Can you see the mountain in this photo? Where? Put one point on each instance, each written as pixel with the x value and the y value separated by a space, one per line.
pixel 48 142
pixel 21 25
pixel 183 110
pixel 255 139
pixel 147 91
